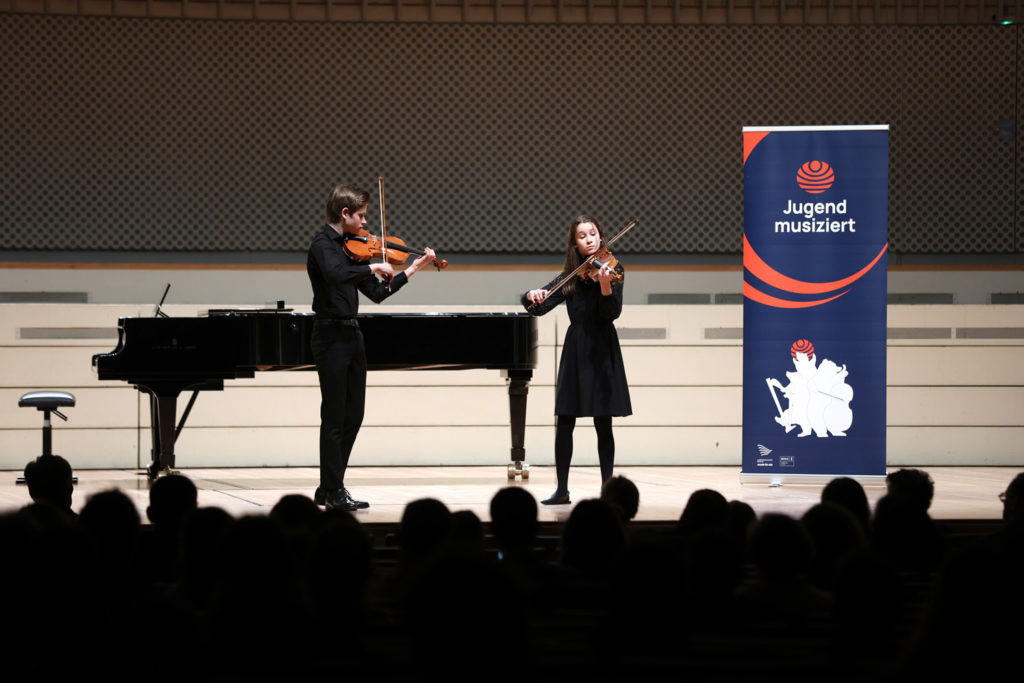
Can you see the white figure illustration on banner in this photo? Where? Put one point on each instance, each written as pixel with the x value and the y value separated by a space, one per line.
pixel 819 397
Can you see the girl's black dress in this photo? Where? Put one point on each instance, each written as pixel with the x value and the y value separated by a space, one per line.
pixel 591 375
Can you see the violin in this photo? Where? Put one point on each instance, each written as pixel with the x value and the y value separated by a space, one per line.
pixel 590 267
pixel 363 246
pixel 601 258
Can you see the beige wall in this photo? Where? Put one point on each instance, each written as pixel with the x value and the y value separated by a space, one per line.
pixel 458 285
pixel 952 400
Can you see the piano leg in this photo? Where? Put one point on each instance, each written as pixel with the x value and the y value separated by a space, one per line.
pixel 167 409
pixel 154 431
pixel 518 388
pixel 163 408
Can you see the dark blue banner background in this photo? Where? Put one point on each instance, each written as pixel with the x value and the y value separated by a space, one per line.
pixel 840 414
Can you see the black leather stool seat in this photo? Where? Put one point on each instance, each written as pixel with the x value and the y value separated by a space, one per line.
pixel 46 400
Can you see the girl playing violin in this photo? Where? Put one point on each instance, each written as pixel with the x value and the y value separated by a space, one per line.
pixel 337 342
pixel 591 376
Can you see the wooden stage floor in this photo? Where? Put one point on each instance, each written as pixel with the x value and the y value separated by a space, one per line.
pixel 960 492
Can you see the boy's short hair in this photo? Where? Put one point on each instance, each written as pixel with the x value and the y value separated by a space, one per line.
pixel 345 197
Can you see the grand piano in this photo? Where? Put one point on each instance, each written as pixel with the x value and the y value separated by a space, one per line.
pixel 164 356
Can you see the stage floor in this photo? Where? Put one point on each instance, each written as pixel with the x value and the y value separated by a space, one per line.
pixel 960 492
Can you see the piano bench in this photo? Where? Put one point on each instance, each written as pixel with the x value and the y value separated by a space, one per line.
pixel 48 402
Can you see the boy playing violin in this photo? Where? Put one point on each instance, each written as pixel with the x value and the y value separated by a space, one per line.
pixel 337 341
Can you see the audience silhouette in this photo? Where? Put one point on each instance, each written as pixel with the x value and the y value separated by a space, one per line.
pixel 49 479
pixel 623 494
pixel 835 537
pixel 593 540
pixel 847 492
pixel 171 499
pixel 514 523
pixel 721 595
pixel 973 624
pixel 912 484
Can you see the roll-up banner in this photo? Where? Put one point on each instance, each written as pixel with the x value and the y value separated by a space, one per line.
pixel 814 294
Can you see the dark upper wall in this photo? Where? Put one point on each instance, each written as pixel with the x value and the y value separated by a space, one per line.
pixel 185 135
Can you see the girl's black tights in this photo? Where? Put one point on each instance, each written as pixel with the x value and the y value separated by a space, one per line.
pixel 563 448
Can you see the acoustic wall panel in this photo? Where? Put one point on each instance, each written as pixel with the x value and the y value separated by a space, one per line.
pixel 134 134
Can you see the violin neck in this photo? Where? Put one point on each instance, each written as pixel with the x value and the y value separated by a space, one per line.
pixel 404 247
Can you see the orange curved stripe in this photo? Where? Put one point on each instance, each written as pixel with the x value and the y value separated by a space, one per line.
pixel 750 141
pixel 751 292
pixel 765 273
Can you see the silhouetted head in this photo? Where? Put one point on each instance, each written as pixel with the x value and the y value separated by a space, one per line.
pixel 49 480
pixel 296 512
pixel 171 498
pixel 593 540
pixel 780 547
pixel 426 524
pixel 830 525
pixel 705 511
pixel 1013 501
pixel 467 532
pixel 623 494
pixel 914 485
pixel 514 518
pixel 739 519
pixel 341 563
pixel 835 535
pixel 848 493
pixel 111 522
pixel 905 535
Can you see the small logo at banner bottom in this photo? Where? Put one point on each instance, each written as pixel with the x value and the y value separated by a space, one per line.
pixel 787 461
pixel 818 395
pixel 764 460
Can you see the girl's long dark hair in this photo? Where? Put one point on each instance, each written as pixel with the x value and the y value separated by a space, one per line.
pixel 572 256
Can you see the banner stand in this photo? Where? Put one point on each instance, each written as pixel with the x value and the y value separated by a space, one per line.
pixel 774 480
pixel 815 243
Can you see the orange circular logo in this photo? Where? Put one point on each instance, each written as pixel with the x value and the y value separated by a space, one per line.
pixel 815 177
pixel 802 346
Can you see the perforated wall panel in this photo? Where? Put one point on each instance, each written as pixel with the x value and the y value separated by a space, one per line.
pixel 179 135
pixel 952 178
pixel 1018 141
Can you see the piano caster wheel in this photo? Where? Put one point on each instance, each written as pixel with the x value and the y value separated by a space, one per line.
pixel 154 472
pixel 518 468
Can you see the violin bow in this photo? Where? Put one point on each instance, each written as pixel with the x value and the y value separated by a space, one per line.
pixel 383 225
pixel 558 285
